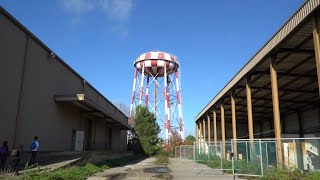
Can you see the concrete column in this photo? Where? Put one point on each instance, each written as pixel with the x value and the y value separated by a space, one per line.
pixel 234 126
pixel 316 43
pixel 215 131
pixel 223 132
pixel 209 130
pixel 276 110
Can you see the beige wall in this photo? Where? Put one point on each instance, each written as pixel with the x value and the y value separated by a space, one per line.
pixel 26 69
pixel 12 48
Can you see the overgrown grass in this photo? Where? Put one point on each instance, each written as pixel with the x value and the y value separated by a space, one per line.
pixel 241 167
pixel 73 172
pixel 290 174
pixel 254 168
pixel 162 157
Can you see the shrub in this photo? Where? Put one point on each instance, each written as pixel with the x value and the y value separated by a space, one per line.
pixel 275 174
pixel 312 176
pixel 162 157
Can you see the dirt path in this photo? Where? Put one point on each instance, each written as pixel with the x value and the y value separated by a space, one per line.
pixel 146 169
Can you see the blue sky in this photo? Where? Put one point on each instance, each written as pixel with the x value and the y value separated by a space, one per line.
pixel 100 39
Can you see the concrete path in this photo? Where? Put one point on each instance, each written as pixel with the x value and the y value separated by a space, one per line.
pixel 53 166
pixel 177 169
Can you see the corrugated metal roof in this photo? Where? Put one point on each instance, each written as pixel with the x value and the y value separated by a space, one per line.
pixel 282 34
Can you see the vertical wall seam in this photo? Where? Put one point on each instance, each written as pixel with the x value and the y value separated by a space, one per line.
pixel 20 91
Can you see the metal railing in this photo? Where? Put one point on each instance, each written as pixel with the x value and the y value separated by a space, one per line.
pixel 255 157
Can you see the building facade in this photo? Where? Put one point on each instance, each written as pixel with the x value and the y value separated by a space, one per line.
pixel 42 96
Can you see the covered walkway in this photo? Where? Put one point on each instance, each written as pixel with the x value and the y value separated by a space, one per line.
pixel 276 94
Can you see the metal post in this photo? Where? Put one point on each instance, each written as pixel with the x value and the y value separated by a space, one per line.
pixel 166 104
pixel 232 158
pixel 261 163
pixel 208 152
pixel 175 152
pixel 141 85
pixel 221 156
pixel 181 123
pixel 295 153
pixel 247 153
pixel 194 152
pixel 180 152
pixel 267 154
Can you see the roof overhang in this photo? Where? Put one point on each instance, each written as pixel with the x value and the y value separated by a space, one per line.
pixel 86 105
pixel 294 33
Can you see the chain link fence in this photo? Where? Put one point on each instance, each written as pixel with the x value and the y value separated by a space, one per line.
pixel 255 157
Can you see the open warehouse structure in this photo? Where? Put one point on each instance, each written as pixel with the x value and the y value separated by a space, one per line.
pixel 276 94
pixel 42 96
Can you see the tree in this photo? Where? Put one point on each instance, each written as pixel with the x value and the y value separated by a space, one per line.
pixel 189 140
pixel 146 130
pixel 173 141
pixel 125 110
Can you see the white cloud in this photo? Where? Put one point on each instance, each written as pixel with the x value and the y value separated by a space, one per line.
pixel 117 11
pixel 78 6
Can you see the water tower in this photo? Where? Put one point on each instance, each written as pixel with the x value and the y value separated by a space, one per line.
pixel 156 85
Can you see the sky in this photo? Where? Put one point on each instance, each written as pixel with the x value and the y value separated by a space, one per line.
pixel 100 39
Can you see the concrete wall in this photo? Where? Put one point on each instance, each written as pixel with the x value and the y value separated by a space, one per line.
pixel 12 50
pixel 30 79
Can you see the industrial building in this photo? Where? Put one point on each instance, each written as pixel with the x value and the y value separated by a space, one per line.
pixel 42 96
pixel 276 94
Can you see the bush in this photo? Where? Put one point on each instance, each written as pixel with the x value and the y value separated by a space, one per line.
pixel 312 176
pixel 162 157
pixel 276 173
pixel 251 167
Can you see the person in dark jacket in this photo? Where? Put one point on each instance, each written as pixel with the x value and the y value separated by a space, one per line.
pixel 4 153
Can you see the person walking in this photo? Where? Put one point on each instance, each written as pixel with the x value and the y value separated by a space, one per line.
pixel 34 150
pixel 4 153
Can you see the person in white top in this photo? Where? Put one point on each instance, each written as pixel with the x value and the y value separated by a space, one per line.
pixel 34 150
